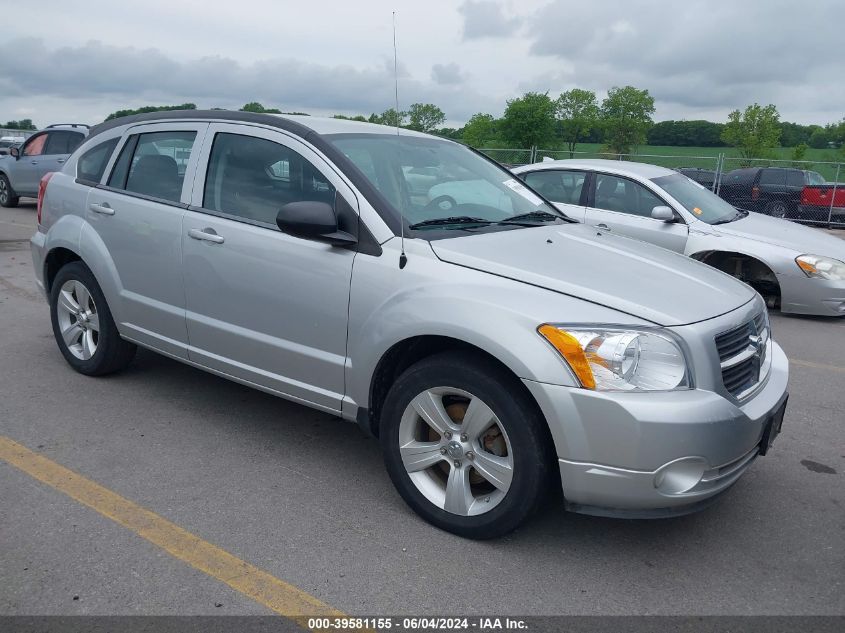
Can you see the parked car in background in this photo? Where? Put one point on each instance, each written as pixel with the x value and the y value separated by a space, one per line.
pixel 704 177
pixel 774 191
pixel 7 142
pixel 797 268
pixel 492 344
pixel 823 202
pixel 45 151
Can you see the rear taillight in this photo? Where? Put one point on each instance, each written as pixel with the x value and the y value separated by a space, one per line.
pixel 805 196
pixel 42 189
pixel 755 193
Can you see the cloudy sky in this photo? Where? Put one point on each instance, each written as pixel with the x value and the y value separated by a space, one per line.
pixel 79 61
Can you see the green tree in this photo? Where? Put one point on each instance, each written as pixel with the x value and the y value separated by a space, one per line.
pixel 357 117
pixel 753 132
pixel 391 117
pixel 529 121
pixel 578 113
pixel 254 106
pixel 479 130
pixel 799 153
pixel 424 117
pixel 23 124
pixel 626 118
pixel 146 109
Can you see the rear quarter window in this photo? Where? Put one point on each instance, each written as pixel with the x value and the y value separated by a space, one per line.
pixel 92 163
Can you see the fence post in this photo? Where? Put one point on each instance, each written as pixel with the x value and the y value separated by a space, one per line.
pixel 532 155
pixel 833 197
pixel 718 183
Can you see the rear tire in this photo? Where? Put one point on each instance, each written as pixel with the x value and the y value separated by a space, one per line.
pixel 465 445
pixel 8 198
pixel 776 209
pixel 83 324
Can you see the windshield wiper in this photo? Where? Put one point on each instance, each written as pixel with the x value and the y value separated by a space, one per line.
pixel 740 213
pixel 532 217
pixel 455 219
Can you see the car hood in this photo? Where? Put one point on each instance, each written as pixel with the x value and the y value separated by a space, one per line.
pixel 763 228
pixel 623 274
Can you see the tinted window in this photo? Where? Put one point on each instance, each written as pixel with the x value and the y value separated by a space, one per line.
pixel 157 165
pixel 795 178
pixel 815 178
pixel 557 186
pixel 63 142
pixel 253 178
pixel 625 196
pixel 773 177
pixel 92 163
pixel 35 145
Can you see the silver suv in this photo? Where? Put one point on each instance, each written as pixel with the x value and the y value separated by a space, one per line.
pixel 407 283
pixel 46 151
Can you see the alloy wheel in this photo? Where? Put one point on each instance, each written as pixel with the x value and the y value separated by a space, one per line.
pixel 79 322
pixel 456 451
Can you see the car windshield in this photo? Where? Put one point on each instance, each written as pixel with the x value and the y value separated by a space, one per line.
pixel 438 184
pixel 700 201
pixel 815 178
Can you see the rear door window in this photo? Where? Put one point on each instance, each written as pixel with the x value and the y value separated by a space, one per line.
pixel 63 142
pixel 154 164
pixel 558 185
pixel 795 178
pixel 773 177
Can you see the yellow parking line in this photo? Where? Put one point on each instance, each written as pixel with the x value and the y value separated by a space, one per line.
pixel 807 363
pixel 275 594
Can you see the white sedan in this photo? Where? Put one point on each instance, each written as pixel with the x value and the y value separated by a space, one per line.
pixel 797 268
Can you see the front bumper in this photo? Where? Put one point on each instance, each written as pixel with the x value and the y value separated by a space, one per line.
pixel 613 447
pixel 802 295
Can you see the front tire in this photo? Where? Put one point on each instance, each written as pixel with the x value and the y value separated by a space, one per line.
pixel 83 324
pixel 465 445
pixel 8 198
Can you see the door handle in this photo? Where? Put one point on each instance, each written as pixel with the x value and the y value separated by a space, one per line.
pixel 33 162
pixel 207 235
pixel 60 160
pixel 603 227
pixel 104 208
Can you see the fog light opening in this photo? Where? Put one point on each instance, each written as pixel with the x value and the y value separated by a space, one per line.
pixel 680 476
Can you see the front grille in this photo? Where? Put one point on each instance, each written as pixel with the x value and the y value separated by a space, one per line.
pixel 742 351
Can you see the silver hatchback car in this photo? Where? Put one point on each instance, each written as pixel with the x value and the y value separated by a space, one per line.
pixel 495 347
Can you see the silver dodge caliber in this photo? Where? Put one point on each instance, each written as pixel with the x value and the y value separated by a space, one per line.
pixel 412 286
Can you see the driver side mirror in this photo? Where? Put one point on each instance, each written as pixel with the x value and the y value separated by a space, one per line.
pixel 312 220
pixel 663 213
pixel 14 151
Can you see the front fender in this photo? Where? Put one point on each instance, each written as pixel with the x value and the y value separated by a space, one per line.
pixel 431 297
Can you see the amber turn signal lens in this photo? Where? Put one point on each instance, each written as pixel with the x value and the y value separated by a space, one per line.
pixel 571 350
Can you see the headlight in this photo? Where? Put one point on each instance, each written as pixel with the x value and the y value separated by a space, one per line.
pixel 818 267
pixel 610 359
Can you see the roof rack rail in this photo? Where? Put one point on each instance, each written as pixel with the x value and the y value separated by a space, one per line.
pixel 68 125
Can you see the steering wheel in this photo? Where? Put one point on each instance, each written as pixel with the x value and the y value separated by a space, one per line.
pixel 436 203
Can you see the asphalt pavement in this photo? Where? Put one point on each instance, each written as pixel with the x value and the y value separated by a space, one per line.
pixel 304 497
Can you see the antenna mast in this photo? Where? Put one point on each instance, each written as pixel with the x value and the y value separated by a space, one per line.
pixel 403 259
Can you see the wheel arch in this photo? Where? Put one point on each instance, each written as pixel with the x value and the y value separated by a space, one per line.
pixel 749 269
pixel 411 350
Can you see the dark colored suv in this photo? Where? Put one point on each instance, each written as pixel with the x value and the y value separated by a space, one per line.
pixel 705 177
pixel 775 191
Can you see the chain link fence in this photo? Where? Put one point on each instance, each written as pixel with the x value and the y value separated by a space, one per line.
pixel 809 192
pixel 511 157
